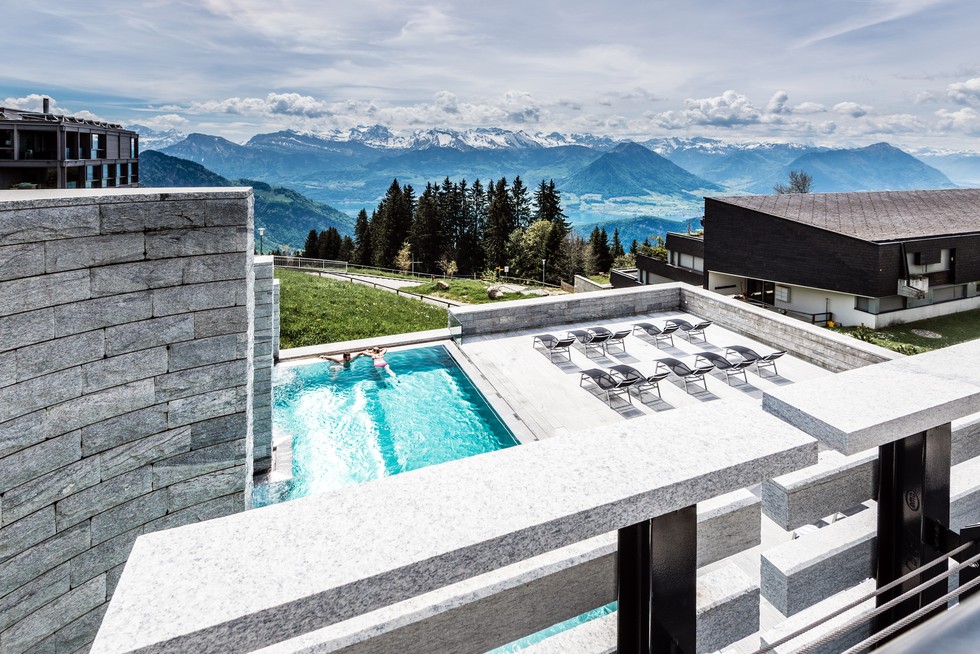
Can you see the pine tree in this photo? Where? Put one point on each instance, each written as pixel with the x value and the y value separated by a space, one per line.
pixel 309 250
pixel 362 240
pixel 500 223
pixel 391 224
pixel 547 201
pixel 469 249
pixel 521 202
pixel 617 247
pixel 425 235
pixel 346 249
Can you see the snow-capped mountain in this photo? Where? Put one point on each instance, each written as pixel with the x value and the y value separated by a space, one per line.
pixel 151 139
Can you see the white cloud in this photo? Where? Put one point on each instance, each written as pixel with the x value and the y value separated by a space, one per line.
pixel 966 120
pixel 166 121
pixel 725 110
pixel 852 109
pixel 809 108
pixel 967 92
pixel 778 103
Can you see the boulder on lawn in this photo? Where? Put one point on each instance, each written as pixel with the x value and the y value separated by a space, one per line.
pixel 495 292
pixel 442 285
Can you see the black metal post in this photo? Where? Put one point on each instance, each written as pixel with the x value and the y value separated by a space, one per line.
pixel 674 582
pixel 913 496
pixel 634 605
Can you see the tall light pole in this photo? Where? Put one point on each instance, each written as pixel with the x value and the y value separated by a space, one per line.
pixel 542 271
pixel 261 240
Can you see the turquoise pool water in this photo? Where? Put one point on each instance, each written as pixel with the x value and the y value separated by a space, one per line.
pixel 353 425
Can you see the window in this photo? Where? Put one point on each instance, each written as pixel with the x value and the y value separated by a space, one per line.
pixel 782 293
pixel 863 304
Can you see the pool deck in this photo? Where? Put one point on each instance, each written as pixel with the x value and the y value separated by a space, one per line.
pixel 547 396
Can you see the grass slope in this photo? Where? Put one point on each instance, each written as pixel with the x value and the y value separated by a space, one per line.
pixel 954 329
pixel 315 311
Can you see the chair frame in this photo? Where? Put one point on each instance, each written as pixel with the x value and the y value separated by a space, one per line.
pixel 733 369
pixel 690 331
pixel 614 387
pixel 692 376
pixel 658 334
pixel 627 371
pixel 760 360
pixel 559 346
pixel 617 337
pixel 589 339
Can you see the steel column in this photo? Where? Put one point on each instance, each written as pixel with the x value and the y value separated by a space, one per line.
pixel 634 605
pixel 674 585
pixel 913 497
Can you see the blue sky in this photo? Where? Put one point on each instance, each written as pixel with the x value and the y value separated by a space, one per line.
pixel 836 72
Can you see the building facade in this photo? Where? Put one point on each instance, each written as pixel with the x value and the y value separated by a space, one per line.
pixel 857 258
pixel 44 150
pixel 685 261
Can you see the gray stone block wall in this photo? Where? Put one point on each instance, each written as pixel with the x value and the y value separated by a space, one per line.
pixel 125 381
pixel 275 320
pixel 820 346
pixel 522 314
pixel 266 321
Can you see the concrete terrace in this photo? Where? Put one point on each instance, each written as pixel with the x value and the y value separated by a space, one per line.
pixel 547 395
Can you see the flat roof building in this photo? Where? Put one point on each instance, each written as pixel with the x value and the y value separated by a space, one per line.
pixel 44 150
pixel 858 258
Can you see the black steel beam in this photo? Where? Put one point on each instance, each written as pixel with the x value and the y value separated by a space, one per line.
pixel 913 500
pixel 674 582
pixel 634 605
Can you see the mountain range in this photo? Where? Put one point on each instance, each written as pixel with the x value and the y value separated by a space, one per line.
pixel 287 216
pixel 601 180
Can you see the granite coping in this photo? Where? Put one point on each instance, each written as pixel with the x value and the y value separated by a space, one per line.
pixel 874 405
pixel 208 586
pixel 35 198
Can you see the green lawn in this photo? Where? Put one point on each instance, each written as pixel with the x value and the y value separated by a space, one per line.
pixel 954 328
pixel 314 311
pixel 470 291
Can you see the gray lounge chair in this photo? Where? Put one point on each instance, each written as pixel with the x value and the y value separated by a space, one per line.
pixel 608 384
pixel 665 334
pixel 629 372
pixel 689 330
pixel 726 365
pixel 760 360
pixel 687 373
pixel 590 340
pixel 555 345
pixel 617 337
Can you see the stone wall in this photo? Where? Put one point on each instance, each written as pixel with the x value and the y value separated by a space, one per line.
pixel 265 319
pixel 125 390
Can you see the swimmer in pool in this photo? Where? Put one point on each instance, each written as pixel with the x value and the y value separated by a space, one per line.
pixel 378 354
pixel 344 360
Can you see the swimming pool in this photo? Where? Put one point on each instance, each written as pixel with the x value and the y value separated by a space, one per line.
pixel 352 425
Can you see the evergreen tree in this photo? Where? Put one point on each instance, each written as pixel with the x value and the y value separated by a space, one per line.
pixel 547 201
pixel 391 224
pixel 309 250
pixel 425 236
pixel 600 258
pixel 501 221
pixel 521 202
pixel 469 249
pixel 346 249
pixel 616 248
pixel 362 240
pixel 633 246
pixel 328 244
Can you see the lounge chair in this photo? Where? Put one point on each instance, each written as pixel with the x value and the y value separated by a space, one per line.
pixel 590 340
pixel 617 337
pixel 687 373
pixel 608 384
pixel 629 372
pixel 665 334
pixel 726 365
pixel 690 330
pixel 760 360
pixel 555 345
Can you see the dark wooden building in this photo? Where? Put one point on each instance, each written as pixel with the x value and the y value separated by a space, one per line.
pixel 685 261
pixel 44 150
pixel 866 258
